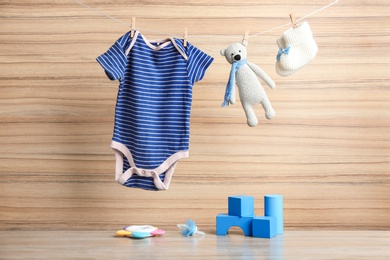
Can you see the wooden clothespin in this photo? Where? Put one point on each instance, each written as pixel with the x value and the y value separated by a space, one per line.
pixel 132 30
pixel 185 37
pixel 293 22
pixel 245 39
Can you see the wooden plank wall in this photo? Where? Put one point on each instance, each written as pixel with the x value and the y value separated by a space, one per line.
pixel 327 151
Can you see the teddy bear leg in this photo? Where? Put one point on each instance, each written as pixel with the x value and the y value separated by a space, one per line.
pixel 250 115
pixel 269 111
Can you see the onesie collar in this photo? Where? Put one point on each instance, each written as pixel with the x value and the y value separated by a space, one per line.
pixel 163 44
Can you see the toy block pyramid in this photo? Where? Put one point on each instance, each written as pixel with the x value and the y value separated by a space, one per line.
pixel 241 213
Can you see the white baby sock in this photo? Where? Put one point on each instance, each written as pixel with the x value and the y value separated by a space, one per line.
pixel 282 51
pixel 297 48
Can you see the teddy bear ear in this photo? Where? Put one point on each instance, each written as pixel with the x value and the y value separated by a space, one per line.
pixel 222 52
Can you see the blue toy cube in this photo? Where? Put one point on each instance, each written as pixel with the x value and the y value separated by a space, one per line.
pixel 241 206
pixel 264 227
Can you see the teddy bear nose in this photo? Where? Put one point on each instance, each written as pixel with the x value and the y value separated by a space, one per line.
pixel 237 57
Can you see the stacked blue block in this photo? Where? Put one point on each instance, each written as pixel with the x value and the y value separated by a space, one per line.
pixel 241 214
pixel 241 206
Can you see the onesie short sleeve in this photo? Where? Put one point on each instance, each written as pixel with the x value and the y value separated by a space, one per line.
pixel 198 62
pixel 114 60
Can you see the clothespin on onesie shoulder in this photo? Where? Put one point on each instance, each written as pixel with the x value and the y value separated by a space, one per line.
pixel 245 39
pixel 132 30
pixel 185 37
pixel 293 22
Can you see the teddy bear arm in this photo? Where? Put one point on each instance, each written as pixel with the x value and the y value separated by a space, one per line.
pixel 260 73
pixel 232 99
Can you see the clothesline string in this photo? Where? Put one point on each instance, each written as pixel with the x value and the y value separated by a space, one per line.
pixel 300 19
pixel 205 36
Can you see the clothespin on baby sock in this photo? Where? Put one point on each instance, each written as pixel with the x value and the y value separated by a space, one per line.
pixel 185 37
pixel 132 30
pixel 293 22
pixel 245 39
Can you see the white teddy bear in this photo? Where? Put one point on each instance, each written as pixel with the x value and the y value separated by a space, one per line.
pixel 250 90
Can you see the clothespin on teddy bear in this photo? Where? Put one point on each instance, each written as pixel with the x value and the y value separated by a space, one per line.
pixel 245 39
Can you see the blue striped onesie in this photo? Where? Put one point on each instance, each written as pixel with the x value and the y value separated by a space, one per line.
pixel 152 114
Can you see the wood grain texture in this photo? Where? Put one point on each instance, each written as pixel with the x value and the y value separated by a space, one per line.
pixel 353 245
pixel 327 150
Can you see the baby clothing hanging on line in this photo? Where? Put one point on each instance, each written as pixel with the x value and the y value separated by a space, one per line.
pixel 297 48
pixel 152 114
